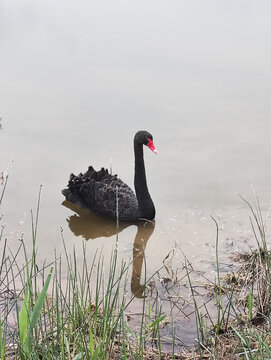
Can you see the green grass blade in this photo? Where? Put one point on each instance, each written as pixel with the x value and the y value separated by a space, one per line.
pixel 158 320
pixel 96 354
pixel 2 340
pixel 243 341
pixel 130 330
pixel 91 341
pixel 24 318
pixel 36 311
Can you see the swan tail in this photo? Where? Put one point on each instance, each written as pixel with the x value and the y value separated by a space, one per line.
pixel 86 189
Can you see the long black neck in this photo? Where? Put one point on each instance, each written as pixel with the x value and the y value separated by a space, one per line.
pixel 145 204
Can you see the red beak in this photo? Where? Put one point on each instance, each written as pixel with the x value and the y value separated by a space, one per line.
pixel 151 146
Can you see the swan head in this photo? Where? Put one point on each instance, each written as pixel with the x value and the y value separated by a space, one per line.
pixel 145 138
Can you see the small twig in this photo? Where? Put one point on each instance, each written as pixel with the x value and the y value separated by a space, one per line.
pixel 204 347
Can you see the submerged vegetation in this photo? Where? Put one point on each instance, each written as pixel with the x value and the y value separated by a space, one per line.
pixel 51 313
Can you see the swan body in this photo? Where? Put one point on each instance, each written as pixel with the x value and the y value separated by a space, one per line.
pixel 107 195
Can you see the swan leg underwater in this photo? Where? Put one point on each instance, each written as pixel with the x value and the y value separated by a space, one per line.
pixel 107 195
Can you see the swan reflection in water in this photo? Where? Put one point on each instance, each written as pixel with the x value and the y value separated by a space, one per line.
pixel 90 226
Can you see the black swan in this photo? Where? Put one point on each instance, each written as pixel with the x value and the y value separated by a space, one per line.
pixel 107 195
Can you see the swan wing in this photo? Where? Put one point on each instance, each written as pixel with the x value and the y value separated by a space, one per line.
pixel 98 191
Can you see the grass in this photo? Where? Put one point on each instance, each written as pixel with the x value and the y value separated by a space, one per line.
pixel 71 319
pixel 243 303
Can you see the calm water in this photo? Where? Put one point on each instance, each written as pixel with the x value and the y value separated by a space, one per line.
pixel 78 81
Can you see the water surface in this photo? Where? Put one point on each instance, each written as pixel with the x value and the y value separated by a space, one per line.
pixel 77 82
